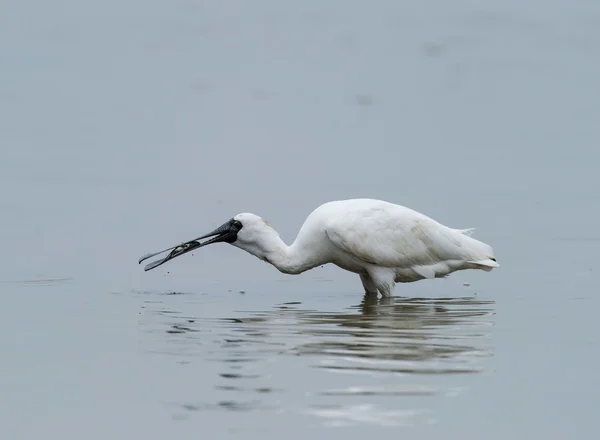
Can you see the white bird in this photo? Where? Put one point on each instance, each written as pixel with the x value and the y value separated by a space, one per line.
pixel 382 242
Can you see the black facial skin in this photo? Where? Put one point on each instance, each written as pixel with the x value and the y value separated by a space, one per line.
pixel 235 226
pixel 226 233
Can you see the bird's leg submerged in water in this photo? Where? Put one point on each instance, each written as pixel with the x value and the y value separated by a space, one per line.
pixel 368 284
pixel 383 278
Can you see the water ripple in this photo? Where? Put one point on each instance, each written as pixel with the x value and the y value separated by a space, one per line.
pixel 365 364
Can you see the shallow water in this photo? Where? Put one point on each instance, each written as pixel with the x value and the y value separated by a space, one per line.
pixel 129 127
pixel 391 347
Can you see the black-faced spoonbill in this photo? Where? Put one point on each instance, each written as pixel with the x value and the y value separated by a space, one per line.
pixel 383 242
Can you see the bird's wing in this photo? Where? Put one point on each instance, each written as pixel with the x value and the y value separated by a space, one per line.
pixel 395 238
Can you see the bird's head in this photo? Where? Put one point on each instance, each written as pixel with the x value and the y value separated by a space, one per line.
pixel 246 231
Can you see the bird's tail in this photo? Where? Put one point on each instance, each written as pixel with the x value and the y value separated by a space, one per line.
pixel 486 265
pixel 480 254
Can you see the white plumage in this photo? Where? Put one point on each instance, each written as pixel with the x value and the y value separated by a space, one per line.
pixel 383 242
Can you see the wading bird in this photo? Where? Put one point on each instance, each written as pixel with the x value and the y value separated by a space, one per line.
pixel 382 242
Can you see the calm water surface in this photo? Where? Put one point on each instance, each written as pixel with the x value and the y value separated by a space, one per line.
pixel 364 364
pixel 126 127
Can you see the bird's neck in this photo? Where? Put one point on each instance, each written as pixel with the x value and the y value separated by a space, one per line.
pixel 287 259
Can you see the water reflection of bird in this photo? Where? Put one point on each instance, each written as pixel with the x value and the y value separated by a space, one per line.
pixel 382 347
pixel 382 242
pixel 386 334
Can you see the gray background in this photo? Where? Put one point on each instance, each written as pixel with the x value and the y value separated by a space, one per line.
pixel 126 127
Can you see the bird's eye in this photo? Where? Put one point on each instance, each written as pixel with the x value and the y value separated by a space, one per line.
pixel 237 224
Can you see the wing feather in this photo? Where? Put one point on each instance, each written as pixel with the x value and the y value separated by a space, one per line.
pixel 395 236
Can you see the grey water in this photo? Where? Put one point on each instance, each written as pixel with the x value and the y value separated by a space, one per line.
pixel 128 127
